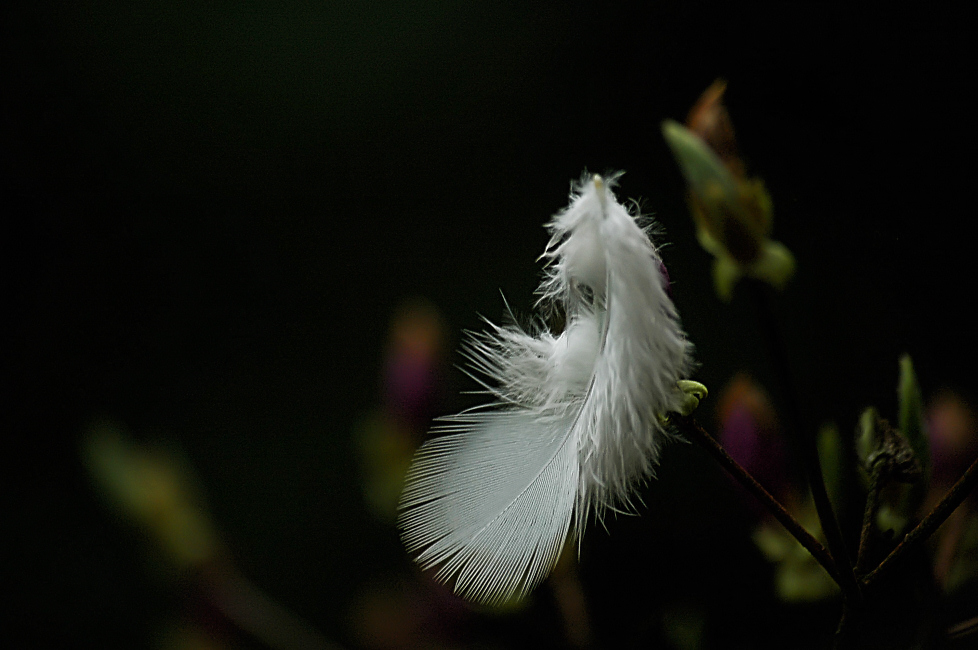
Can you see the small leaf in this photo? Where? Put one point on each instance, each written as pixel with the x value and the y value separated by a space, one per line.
pixel 891 518
pixel 912 424
pixel 831 455
pixel 775 264
pixel 706 174
pixel 798 577
pixel 866 442
pixel 914 431
pixel 726 273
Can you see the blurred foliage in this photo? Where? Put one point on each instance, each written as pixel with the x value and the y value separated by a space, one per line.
pixel 156 491
pixel 797 576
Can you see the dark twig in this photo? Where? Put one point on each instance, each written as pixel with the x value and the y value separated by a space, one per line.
pixel 929 524
pixel 689 427
pixel 807 448
pixel 963 629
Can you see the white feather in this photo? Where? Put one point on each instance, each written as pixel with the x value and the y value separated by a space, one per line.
pixel 573 428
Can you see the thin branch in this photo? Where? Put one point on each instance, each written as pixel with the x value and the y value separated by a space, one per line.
pixel 807 447
pixel 692 430
pixel 963 629
pixel 929 524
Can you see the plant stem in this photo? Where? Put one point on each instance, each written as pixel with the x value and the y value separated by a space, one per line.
pixel 929 524
pixel 807 447
pixel 692 430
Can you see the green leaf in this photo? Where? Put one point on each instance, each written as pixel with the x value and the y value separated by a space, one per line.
pixel 706 174
pixel 832 458
pixel 912 424
pixel 914 430
pixel 866 438
pixel 892 518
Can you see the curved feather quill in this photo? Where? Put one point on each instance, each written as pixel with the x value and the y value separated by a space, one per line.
pixel 573 428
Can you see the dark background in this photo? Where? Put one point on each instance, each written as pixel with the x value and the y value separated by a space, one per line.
pixel 214 208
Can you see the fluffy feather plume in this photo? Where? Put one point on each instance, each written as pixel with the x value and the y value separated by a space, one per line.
pixel 573 427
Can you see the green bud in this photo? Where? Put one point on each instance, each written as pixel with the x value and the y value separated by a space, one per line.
pixel 693 392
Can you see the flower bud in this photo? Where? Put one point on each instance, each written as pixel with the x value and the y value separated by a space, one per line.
pixel 749 431
pixel 953 437
pixel 732 212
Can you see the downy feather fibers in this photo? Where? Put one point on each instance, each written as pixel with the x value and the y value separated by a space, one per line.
pixel 573 426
